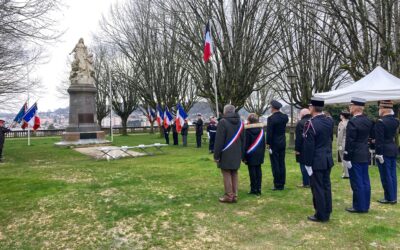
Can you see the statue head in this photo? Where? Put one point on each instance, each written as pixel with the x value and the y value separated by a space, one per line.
pixel 81 40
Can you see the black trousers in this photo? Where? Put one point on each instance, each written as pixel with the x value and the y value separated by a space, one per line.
pixel 255 178
pixel 175 137
pixel 198 140
pixel 212 142
pixel 1 151
pixel 320 182
pixel 278 168
pixel 166 135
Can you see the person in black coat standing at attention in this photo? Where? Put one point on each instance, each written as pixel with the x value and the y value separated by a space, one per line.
pixel 276 143
pixel 166 133
pixel 229 151
pixel 304 117
pixel 212 131
pixel 184 133
pixel 199 130
pixel 386 151
pixel 356 156
pixel 3 131
pixel 174 134
pixel 318 160
pixel 255 152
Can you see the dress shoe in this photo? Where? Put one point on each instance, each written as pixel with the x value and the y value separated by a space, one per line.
pixel 345 177
pixel 315 219
pixel 277 189
pixel 226 199
pixel 303 186
pixel 384 201
pixel 252 193
pixel 352 210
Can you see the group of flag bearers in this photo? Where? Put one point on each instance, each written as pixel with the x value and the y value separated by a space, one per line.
pixel 314 136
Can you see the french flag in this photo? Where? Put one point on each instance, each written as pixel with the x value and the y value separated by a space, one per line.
pixel 160 116
pixel 150 114
pixel 31 118
pixel 181 116
pixel 207 51
pixel 167 118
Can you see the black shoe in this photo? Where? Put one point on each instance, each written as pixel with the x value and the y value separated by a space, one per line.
pixel 252 193
pixel 315 219
pixel 352 210
pixel 258 193
pixel 384 201
pixel 345 177
pixel 303 186
pixel 277 189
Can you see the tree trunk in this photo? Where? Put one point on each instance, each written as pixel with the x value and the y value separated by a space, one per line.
pixel 152 127
pixel 124 121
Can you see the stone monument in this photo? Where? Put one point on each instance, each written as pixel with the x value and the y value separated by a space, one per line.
pixel 83 128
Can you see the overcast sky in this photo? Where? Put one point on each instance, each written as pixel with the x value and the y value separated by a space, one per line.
pixel 80 18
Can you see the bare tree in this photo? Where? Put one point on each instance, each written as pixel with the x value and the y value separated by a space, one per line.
pixel 24 27
pixel 259 101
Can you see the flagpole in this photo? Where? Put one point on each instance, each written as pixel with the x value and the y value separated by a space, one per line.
pixel 214 78
pixel 109 83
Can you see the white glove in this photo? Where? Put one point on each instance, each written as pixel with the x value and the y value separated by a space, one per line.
pixel 270 151
pixel 340 148
pixel 309 170
pixel 380 158
pixel 208 134
pixel 347 164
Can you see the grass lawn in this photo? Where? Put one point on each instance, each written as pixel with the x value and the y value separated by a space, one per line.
pixel 56 198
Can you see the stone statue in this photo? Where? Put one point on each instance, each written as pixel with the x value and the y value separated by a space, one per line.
pixel 82 67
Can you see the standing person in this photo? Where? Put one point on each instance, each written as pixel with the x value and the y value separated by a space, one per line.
pixel 356 156
pixel 386 151
pixel 255 152
pixel 184 133
pixel 318 159
pixel 341 140
pixel 199 130
pixel 276 143
pixel 174 134
pixel 212 131
pixel 166 133
pixel 229 151
pixel 304 117
pixel 3 131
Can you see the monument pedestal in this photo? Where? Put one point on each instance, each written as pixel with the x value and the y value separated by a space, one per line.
pixel 83 129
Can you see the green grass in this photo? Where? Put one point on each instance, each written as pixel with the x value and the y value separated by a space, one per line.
pixel 56 198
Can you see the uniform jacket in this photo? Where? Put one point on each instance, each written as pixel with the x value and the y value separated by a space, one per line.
pixel 199 127
pixel 226 130
pixel 256 157
pixel 341 137
pixel 173 126
pixel 317 146
pixel 276 131
pixel 185 129
pixel 3 131
pixel 167 130
pixel 357 134
pixel 299 138
pixel 212 129
pixel 385 132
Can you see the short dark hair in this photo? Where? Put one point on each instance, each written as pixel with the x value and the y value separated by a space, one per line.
pixel 253 118
pixel 318 109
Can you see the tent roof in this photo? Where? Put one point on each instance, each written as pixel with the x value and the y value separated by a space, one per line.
pixel 377 85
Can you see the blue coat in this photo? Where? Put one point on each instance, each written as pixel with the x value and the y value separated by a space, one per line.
pixel 317 148
pixel 358 132
pixel 385 132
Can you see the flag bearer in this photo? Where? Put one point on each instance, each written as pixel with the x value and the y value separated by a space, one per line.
pixel 356 156
pixel 3 131
pixel 386 151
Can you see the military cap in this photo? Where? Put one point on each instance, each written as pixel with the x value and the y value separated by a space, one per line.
pixel 275 104
pixel 317 102
pixel 358 101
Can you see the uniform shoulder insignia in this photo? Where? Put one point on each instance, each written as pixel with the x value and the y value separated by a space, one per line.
pixel 307 126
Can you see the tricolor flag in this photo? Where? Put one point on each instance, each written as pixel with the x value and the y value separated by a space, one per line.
pixel 160 116
pixel 31 118
pixel 21 113
pixel 150 114
pixel 181 116
pixel 167 118
pixel 207 51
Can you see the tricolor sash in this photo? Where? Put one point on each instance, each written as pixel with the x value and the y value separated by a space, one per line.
pixel 235 138
pixel 256 143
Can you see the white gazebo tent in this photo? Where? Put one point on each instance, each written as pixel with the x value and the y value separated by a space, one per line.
pixel 377 85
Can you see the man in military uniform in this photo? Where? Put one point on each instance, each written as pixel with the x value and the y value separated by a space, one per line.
pixel 276 143
pixel 318 159
pixel 166 133
pixel 356 156
pixel 386 151
pixel 212 131
pixel 3 131
pixel 199 130
pixel 174 133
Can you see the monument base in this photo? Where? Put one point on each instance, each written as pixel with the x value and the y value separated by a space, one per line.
pixel 83 139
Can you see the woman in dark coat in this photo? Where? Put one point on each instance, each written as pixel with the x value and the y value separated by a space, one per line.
pixel 255 152
pixel 229 151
